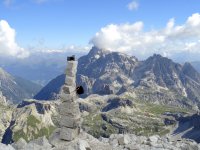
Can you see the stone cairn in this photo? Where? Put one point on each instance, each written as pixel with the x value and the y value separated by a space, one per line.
pixel 70 120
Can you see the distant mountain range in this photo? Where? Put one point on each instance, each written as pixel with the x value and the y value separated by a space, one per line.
pixel 39 67
pixel 156 79
pixel 15 89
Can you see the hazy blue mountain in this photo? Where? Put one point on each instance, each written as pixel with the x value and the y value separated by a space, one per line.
pixel 39 67
pixel 51 90
pixel 15 89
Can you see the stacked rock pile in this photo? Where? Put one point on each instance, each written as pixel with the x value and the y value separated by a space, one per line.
pixel 70 119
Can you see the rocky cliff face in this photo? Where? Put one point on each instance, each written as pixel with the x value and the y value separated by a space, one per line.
pixel 103 72
pixel 15 89
pixel 5 115
pixel 30 120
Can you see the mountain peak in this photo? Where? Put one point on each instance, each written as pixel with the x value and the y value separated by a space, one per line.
pixel 95 51
pixel 157 58
pixel 157 55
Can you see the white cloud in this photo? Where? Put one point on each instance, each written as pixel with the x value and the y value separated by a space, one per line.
pixel 71 48
pixel 133 5
pixel 8 45
pixel 168 41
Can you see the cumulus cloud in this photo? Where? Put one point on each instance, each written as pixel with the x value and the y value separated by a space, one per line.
pixel 133 5
pixel 170 40
pixel 8 45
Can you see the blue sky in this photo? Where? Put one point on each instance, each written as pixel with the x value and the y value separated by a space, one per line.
pixel 57 24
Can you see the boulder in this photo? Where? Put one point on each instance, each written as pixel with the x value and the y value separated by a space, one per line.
pixel 124 140
pixel 69 122
pixel 69 109
pixel 70 81
pixel 42 141
pixel 6 147
pixel 114 143
pixel 20 144
pixel 154 138
pixel 68 89
pixel 67 97
pixel 68 134
pixel 71 72
pixel 83 145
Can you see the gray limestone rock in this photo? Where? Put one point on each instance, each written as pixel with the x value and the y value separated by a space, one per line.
pixel 67 97
pixel 42 141
pixel 72 64
pixel 20 144
pixel 69 122
pixel 68 89
pixel 71 73
pixel 154 138
pixel 70 81
pixel 68 134
pixel 69 109
pixel 6 147
pixel 83 145
pixel 114 143
pixel 124 140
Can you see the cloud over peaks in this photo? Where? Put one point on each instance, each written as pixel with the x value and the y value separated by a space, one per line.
pixel 8 45
pixel 170 40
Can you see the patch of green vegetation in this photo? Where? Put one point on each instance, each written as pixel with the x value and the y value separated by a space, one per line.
pixel 19 134
pixel 164 132
pixel 32 121
pixel 33 132
pixel 148 130
pixel 97 126
pixel 30 135
pixel 160 109
pixel 45 132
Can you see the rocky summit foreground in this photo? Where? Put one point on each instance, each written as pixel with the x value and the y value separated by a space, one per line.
pixel 116 142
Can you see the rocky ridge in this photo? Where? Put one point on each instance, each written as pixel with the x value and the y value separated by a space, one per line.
pixel 156 80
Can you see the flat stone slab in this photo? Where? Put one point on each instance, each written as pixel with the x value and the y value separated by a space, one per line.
pixel 70 81
pixel 68 97
pixel 71 72
pixel 66 89
pixel 69 109
pixel 72 64
pixel 68 134
pixel 69 122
